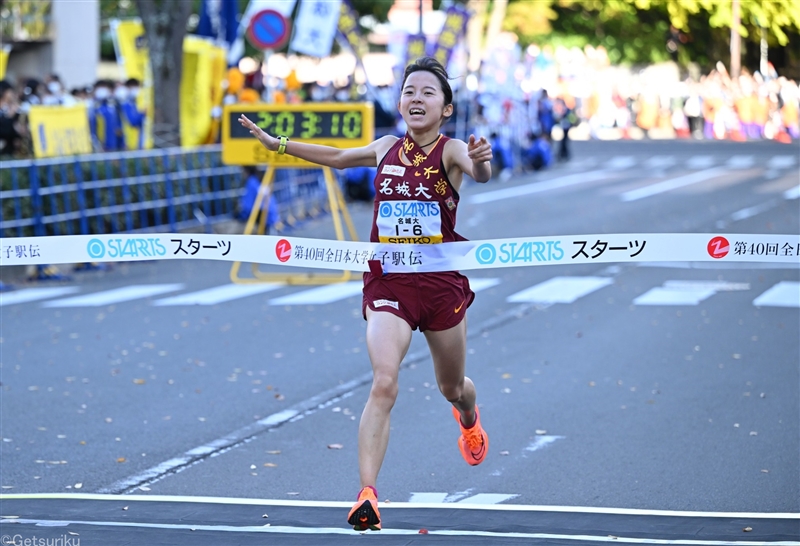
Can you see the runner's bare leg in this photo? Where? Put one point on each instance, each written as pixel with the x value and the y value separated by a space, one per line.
pixel 449 352
pixel 388 339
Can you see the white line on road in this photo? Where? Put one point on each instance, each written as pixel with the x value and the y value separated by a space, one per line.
pixel 792 193
pixel 749 212
pixel 218 294
pixel 480 498
pixel 686 292
pixel 486 498
pixel 673 184
pixel 35 294
pixel 286 529
pixel 560 290
pixel 781 162
pixel 321 294
pixel 660 162
pixel 118 295
pixel 403 505
pixel 700 162
pixel 431 498
pixel 620 162
pixel 783 294
pixel 537 187
pixel 740 162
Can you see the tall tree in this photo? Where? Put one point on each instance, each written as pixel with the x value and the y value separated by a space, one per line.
pixel 638 31
pixel 165 27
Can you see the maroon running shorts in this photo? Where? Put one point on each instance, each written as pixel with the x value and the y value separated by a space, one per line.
pixel 428 301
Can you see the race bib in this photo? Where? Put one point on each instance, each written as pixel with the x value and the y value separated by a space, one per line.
pixel 409 222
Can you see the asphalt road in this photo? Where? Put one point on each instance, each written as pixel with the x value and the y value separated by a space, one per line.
pixel 658 387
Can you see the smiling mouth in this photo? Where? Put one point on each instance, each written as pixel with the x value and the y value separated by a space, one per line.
pixel 416 112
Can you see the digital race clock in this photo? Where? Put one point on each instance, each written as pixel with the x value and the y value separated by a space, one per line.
pixel 340 124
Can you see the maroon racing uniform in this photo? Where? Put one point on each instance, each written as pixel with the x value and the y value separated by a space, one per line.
pixel 416 204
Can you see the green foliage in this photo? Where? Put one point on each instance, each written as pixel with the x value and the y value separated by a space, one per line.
pixel 645 24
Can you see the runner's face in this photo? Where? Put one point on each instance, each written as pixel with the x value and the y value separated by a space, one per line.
pixel 422 101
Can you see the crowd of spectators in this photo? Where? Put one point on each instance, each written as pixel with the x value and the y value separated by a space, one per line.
pixel 565 92
pixel 115 119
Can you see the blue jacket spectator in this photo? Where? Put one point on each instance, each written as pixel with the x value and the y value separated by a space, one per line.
pixel 131 118
pixel 538 155
pixel 104 119
pixel 359 183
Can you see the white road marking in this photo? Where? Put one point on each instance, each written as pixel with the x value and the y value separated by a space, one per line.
pixel 740 162
pixel 560 290
pixel 781 162
pixel 321 294
pixel 285 529
pixel 432 498
pixel 118 295
pixel 686 292
pixel 700 162
pixel 479 283
pixel 792 193
pixel 673 184
pixel 487 498
pixel 462 497
pixel 783 294
pixel 402 505
pixel 537 187
pixel 218 294
pixel 620 162
pixel 749 212
pixel 35 294
pixel 660 162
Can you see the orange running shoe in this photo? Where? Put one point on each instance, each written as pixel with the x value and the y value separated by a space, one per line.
pixel 474 442
pixel 364 514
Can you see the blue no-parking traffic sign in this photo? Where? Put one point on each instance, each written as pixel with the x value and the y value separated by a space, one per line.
pixel 268 29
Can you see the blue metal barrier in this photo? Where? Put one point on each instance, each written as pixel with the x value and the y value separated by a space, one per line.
pixel 142 191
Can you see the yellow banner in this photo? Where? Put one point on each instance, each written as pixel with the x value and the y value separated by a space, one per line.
pixel 133 57
pixel 130 44
pixel 200 88
pixel 4 51
pixel 60 130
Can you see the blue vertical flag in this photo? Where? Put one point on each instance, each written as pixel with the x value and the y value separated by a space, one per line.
pixel 455 26
pixel 219 19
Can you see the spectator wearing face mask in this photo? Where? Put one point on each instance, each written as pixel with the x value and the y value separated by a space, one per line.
pixel 55 93
pixel 131 117
pixel 103 119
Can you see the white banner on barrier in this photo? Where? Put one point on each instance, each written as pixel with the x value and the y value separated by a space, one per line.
pixel 403 258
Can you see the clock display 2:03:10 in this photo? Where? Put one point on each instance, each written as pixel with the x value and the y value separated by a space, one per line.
pixel 346 124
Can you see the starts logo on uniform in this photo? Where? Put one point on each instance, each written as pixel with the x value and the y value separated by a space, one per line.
pixel 718 247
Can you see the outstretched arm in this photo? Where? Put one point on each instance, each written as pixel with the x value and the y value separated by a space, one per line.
pixel 365 156
pixel 474 158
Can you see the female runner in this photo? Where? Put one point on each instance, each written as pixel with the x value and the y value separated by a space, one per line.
pixel 416 198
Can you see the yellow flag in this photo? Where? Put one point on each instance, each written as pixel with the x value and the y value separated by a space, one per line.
pixel 4 51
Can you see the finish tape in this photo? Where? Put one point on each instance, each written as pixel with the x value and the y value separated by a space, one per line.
pixel 403 258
